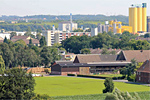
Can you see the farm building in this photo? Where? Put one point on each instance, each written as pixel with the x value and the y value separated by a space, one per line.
pixel 143 73
pixel 86 64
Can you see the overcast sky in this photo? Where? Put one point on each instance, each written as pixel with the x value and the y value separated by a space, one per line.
pixel 64 7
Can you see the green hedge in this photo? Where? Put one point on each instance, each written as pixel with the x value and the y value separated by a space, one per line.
pixel 102 77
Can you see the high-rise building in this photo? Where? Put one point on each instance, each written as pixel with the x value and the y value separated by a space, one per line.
pixel 138 18
pixel 148 24
pixel 103 28
pixel 94 31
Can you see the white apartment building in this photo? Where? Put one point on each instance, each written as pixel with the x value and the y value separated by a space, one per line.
pixel 58 36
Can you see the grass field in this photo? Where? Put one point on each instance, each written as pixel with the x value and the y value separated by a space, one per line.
pixel 65 86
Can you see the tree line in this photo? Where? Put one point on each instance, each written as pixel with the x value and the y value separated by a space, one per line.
pixel 19 54
pixel 124 41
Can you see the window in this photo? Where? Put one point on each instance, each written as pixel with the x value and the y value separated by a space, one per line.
pixel 139 78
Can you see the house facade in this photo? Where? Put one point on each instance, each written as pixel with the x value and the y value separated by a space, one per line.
pixel 143 73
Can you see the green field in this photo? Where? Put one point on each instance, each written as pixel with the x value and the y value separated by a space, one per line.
pixel 65 86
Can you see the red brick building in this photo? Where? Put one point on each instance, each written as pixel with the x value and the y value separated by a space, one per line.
pixel 143 73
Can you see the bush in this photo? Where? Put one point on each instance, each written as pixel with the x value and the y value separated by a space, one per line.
pixel 46 71
pixel 109 85
pixel 132 78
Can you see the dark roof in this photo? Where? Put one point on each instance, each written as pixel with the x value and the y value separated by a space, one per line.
pixel 145 67
pixel 34 41
pixel 88 58
pixel 95 58
pixel 105 58
pixel 138 55
pixel 19 37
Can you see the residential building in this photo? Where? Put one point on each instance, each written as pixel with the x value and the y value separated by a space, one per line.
pixel 143 73
pixel 3 35
pixel 103 28
pixel 138 18
pixel 57 36
pixel 25 39
pixel 94 31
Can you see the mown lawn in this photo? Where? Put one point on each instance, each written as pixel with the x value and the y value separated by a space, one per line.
pixel 65 86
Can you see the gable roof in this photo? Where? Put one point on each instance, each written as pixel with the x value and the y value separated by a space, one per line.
pixel 138 55
pixel 145 67
pixel 19 37
pixel 94 58
pixel 87 58
pixel 108 58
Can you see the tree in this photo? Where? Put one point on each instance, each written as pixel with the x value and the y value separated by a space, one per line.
pixel 42 41
pixel 105 51
pixel 30 41
pixel 13 34
pixel 5 40
pixel 7 54
pixel 2 65
pixel 85 51
pixel 147 35
pixel 109 85
pixel 38 36
pixel 46 56
pixel 16 84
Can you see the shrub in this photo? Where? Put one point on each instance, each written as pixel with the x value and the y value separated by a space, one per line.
pixel 46 71
pixel 132 78
pixel 109 85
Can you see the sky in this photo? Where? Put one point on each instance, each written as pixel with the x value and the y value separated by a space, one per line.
pixel 65 7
